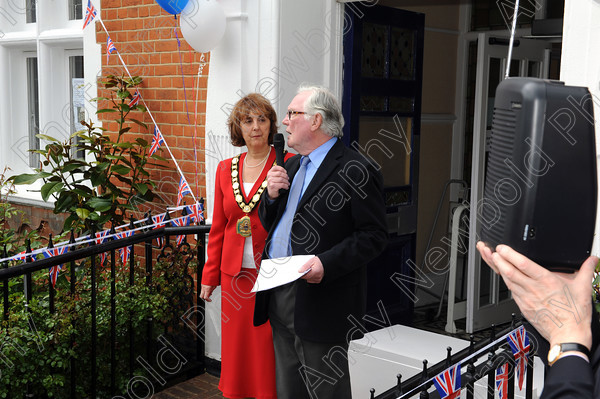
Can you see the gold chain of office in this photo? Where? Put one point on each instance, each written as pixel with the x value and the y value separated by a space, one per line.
pixel 235 183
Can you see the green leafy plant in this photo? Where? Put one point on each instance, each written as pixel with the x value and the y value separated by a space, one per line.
pixel 37 345
pixel 111 178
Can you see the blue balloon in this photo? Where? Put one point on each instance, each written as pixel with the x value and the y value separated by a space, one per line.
pixel 172 6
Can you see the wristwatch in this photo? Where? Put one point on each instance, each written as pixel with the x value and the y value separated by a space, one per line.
pixel 557 350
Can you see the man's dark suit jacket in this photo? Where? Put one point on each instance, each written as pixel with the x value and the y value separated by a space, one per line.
pixel 341 219
pixel 571 377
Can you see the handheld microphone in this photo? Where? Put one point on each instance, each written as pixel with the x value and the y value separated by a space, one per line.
pixel 279 143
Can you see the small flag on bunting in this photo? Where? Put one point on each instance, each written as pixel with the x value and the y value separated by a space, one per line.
pixel 23 256
pixel 90 14
pixel 502 381
pixel 135 99
pixel 195 212
pixel 448 383
pixel 157 141
pixel 100 239
pixel 125 251
pixel 110 48
pixel 181 221
pixel 158 221
pixel 184 189
pixel 54 270
pixel 519 343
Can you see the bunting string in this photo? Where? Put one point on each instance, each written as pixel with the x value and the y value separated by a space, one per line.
pixel 141 97
pixel 466 360
pixel 195 213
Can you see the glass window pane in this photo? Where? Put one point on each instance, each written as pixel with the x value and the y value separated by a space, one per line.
pixel 401 104
pixel 30 15
pixel 373 103
pixel 397 197
pixel 374 45
pixel 534 69
pixel 33 114
pixel 515 68
pixel 495 14
pixel 401 54
pixel 75 11
pixel 77 98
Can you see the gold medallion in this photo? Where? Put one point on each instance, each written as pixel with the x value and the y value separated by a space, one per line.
pixel 243 226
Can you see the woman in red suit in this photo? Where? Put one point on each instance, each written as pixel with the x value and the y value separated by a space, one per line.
pixel 235 245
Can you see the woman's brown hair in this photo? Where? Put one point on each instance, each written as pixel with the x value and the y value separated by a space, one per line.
pixel 252 103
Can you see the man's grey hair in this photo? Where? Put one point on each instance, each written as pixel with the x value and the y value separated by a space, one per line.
pixel 322 101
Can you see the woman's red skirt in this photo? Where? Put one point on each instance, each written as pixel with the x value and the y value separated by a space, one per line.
pixel 247 357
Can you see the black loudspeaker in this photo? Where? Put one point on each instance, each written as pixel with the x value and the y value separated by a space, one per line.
pixel 540 182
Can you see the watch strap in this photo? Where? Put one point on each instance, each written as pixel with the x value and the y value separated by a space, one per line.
pixel 572 347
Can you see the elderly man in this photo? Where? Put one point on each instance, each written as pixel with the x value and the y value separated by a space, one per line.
pixel 328 202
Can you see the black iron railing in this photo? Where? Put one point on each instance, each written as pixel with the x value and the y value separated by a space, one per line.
pixel 479 362
pixel 123 344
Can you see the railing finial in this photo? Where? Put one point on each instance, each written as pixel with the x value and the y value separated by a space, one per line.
pixel 399 384
pixel 50 244
pixel 448 356
pixel 425 373
pixel 372 393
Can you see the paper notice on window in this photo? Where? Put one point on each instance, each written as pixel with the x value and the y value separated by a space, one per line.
pixel 279 271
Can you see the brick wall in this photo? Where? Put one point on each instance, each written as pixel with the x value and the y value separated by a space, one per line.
pixel 145 37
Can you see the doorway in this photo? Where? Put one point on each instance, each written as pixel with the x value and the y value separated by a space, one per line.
pixel 383 70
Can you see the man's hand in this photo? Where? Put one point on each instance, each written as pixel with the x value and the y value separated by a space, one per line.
pixel 315 275
pixel 277 178
pixel 558 305
pixel 206 291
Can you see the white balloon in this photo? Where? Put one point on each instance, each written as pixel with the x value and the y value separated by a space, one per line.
pixel 203 24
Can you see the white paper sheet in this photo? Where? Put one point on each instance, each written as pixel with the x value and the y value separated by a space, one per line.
pixel 279 271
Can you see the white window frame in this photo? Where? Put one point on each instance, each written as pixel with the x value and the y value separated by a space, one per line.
pixel 52 39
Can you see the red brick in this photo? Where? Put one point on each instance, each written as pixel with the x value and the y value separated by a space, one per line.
pixel 110 4
pixel 165 70
pixel 143 11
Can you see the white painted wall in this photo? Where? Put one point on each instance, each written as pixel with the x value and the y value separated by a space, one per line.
pixel 580 61
pixel 269 47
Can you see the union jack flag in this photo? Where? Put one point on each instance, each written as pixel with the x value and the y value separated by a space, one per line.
pixel 125 251
pixel 448 383
pixel 159 221
pixel 196 212
pixel 110 48
pixel 23 256
pixel 157 141
pixel 90 14
pixel 502 381
pixel 182 221
pixel 184 189
pixel 101 237
pixel 54 270
pixel 136 98
pixel 519 343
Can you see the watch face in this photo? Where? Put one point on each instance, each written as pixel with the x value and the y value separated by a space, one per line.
pixel 553 353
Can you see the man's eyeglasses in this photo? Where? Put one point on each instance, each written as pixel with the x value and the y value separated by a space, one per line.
pixel 292 113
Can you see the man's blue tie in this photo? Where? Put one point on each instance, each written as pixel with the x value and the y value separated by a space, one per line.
pixel 280 242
